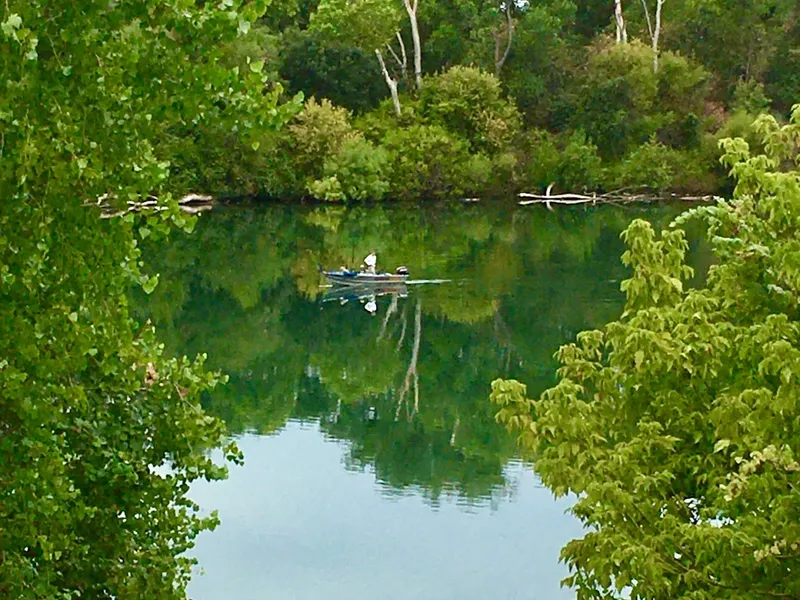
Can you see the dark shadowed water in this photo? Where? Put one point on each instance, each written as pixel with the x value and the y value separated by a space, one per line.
pixel 374 466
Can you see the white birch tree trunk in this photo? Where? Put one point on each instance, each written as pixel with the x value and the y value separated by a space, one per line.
pixel 411 9
pixel 656 33
pixel 499 61
pixel 402 48
pixel 392 83
pixel 647 19
pixel 622 33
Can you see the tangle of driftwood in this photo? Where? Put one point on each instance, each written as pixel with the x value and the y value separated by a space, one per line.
pixel 190 203
pixel 620 196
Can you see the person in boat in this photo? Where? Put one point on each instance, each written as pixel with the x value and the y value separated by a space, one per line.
pixel 370 262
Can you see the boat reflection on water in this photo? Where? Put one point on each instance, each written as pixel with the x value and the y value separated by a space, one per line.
pixel 365 294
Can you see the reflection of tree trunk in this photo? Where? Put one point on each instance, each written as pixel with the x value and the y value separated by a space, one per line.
pixel 503 336
pixel 402 332
pixel 501 329
pixel 499 61
pixel 411 372
pixel 389 312
pixel 392 83
pixel 338 412
pixel 455 430
pixel 416 392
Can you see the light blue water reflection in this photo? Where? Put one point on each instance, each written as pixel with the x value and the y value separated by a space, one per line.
pixel 306 528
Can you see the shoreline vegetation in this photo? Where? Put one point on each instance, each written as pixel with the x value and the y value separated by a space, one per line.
pixel 498 100
pixel 194 204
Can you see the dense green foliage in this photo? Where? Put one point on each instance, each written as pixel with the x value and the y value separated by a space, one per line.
pixel 677 425
pixel 524 91
pixel 100 433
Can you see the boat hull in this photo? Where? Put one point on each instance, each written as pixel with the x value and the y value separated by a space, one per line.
pixel 356 278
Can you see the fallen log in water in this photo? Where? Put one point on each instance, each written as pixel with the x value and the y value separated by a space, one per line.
pixel 190 203
pixel 621 196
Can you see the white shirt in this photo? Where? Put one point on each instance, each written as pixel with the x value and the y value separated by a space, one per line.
pixel 371 260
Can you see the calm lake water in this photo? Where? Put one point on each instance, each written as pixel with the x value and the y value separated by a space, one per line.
pixel 374 466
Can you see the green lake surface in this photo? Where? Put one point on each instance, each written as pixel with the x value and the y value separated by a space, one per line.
pixel 374 467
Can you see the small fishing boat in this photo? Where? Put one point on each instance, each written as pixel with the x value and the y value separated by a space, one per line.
pixel 350 277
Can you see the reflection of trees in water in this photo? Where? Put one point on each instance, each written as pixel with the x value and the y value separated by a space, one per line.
pixel 242 286
pixel 411 372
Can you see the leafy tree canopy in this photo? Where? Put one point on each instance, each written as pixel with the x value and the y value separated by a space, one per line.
pixel 677 425
pixel 332 71
pixel 100 434
pixel 365 24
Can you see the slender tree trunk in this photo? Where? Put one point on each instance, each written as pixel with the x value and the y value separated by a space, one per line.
pixel 656 33
pixel 647 18
pixel 499 61
pixel 402 60
pixel 622 33
pixel 402 50
pixel 392 83
pixel 411 9
pixel 395 57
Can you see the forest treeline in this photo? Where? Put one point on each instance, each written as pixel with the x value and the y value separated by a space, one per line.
pixel 432 99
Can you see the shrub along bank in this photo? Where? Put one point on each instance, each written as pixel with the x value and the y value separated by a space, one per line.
pixel 460 134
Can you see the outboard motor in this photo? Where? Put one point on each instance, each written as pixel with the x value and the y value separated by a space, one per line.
pixel 401 271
